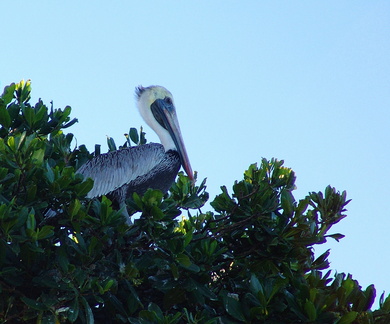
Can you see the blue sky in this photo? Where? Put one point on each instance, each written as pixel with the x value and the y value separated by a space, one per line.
pixel 306 82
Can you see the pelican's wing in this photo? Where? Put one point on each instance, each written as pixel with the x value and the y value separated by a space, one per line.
pixel 114 169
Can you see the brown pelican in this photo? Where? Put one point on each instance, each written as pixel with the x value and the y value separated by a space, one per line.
pixel 120 173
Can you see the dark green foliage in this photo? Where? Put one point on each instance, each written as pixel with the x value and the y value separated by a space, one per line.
pixel 131 137
pixel 67 259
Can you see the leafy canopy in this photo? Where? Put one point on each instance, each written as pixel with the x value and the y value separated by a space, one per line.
pixel 68 259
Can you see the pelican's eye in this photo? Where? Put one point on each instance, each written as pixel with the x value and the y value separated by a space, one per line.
pixel 168 100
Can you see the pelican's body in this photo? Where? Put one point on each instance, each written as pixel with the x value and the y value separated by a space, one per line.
pixel 134 169
pixel 120 173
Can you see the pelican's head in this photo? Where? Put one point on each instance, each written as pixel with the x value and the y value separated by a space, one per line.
pixel 156 106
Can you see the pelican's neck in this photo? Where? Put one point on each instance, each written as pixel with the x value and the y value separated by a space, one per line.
pixel 165 139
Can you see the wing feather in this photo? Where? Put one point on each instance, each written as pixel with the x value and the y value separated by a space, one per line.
pixel 114 169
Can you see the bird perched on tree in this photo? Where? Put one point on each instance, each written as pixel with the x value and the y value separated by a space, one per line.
pixel 119 174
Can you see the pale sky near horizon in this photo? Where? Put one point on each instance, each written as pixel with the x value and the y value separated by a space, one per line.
pixel 307 82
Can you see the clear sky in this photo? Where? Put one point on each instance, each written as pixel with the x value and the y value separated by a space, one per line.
pixel 303 81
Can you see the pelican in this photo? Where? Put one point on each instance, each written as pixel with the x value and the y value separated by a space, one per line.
pixel 119 174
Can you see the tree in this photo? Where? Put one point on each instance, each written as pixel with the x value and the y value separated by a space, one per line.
pixel 250 260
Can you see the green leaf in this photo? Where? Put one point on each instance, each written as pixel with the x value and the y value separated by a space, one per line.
pixel 29 115
pixel 73 311
pixel 370 294
pixel 233 307
pixel 287 201
pixel 255 285
pixel 83 188
pixel 63 260
pixel 184 260
pixel 142 135
pixel 31 192
pixel 336 236
pixel 41 114
pixel 174 270
pixel 23 89
pixel 88 311
pixel 108 285
pixel 117 303
pixel 74 207
pixel 321 262
pixel 20 140
pixel 31 222
pixel 37 157
pixel 385 304
pixel 193 267
pixel 72 122
pixel 49 174
pixel 134 135
pixel 111 144
pixel 8 93
pixel 45 232
pixel 5 118
pixel 349 285
pixel 97 149
pixel 152 307
pixel 348 318
pixel 310 310
pixel 33 304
